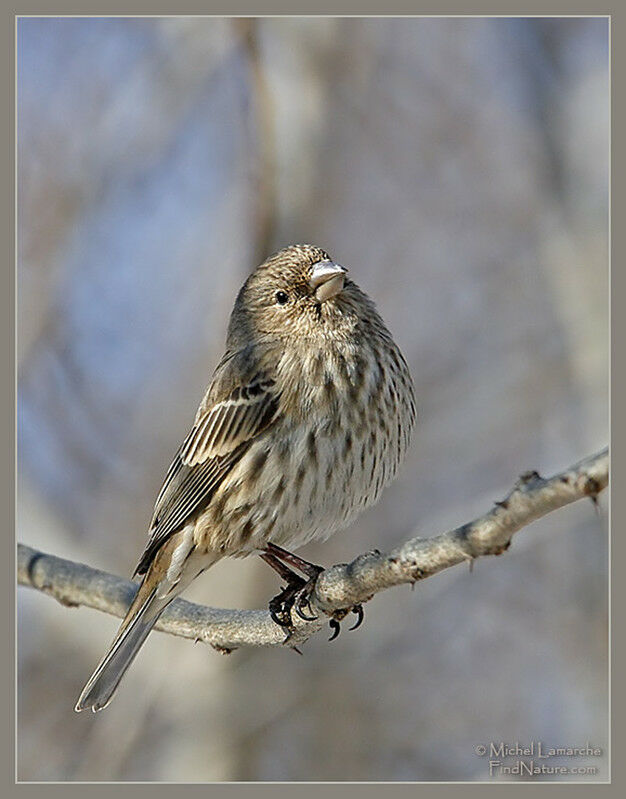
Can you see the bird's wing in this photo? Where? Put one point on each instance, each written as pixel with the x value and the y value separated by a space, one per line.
pixel 222 432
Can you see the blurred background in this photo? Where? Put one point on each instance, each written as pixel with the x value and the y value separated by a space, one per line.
pixel 459 168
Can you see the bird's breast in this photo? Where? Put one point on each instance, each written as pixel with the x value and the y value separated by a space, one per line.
pixel 342 431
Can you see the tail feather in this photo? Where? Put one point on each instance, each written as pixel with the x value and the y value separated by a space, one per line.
pixel 101 686
pixel 175 565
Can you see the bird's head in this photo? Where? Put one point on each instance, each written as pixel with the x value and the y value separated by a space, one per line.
pixel 297 293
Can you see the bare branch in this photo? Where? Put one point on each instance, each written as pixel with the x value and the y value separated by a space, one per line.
pixel 339 587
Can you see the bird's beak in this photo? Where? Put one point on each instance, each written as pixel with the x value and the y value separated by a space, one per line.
pixel 327 279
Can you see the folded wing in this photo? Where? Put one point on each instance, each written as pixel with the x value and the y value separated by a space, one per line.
pixel 222 432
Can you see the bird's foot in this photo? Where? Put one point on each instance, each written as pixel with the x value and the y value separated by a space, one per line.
pixel 297 593
pixel 280 606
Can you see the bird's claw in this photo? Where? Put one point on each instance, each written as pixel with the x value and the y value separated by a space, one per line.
pixel 336 627
pixel 280 607
pixel 358 609
pixel 278 617
pixel 303 600
pixel 302 614
pixel 296 596
pixel 340 614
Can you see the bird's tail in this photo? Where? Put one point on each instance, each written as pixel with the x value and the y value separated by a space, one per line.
pixel 140 619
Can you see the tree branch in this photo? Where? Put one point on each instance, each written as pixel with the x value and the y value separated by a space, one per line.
pixel 339 587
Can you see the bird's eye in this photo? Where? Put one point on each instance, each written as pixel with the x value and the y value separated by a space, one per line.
pixel 282 297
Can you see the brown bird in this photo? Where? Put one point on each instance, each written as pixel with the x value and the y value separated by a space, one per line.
pixel 305 421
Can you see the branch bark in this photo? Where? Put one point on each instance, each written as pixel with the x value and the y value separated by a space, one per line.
pixel 339 587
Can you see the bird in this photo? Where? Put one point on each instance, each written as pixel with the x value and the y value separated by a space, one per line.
pixel 305 420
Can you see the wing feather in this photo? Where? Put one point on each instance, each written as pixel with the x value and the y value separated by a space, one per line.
pixel 222 432
pixel 226 424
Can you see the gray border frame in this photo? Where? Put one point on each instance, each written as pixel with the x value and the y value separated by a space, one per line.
pixel 8 390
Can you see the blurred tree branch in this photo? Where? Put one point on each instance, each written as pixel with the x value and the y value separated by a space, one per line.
pixel 339 587
pixel 262 128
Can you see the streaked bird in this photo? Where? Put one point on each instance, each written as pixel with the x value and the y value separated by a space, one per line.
pixel 306 419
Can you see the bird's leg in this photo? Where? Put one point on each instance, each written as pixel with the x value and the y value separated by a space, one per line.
pixel 285 572
pixel 310 569
pixel 280 606
pixel 302 597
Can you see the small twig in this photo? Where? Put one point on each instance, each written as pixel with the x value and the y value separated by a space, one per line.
pixel 339 587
